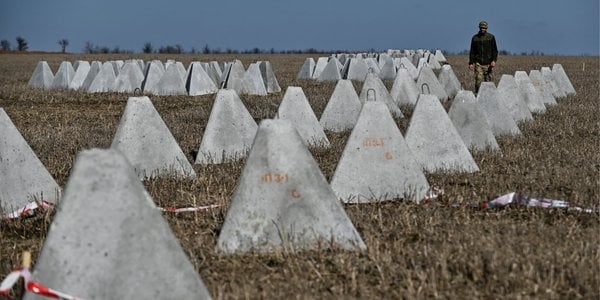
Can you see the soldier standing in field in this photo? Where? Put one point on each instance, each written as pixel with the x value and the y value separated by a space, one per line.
pixel 483 55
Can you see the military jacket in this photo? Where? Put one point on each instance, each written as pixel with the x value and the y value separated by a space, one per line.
pixel 483 49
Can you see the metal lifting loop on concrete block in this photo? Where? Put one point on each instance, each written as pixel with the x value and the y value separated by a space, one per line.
pixel 137 92
pixel 423 90
pixel 371 70
pixel 374 94
pixel 402 66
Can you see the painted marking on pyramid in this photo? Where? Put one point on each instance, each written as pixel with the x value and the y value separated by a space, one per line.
pixel 268 76
pixel 471 122
pixel 23 177
pixel 92 73
pixel 498 116
pixel 253 82
pixel 343 108
pixel 377 164
pixel 331 72
pixel 372 82
pixel 171 82
pixel 562 79
pixel 307 69
pixel 103 230
pixel 229 132
pixel 199 82
pixel 144 138
pixel 81 72
pixel 543 87
pixel 320 66
pixel 295 108
pixel 283 201
pixel 549 78
pixel 404 90
pixel 530 94
pixel 427 76
pixel 104 81
pixel 63 76
pixel 511 97
pixel 449 81
pixel 42 76
pixel 437 146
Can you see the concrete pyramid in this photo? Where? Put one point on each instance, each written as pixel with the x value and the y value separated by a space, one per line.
pixel 437 145
pixel 319 67
pixel 107 241
pixel 404 90
pixel 308 67
pixel 374 87
pixel 295 108
pixel 388 71
pixel 199 82
pixel 182 70
pixel 377 164
pixel 233 78
pixel 549 78
pixel 562 79
pixel 372 65
pixel 511 97
pixel 497 115
pixel 343 108
pixel 229 131
pixel 253 81
pixel 449 81
pixel 23 177
pixel 129 79
pixel 356 69
pixel 544 88
pixel 428 79
pixel 154 72
pixel 42 76
pixel 268 76
pixel 104 81
pixel 144 138
pixel 83 68
pixel 439 56
pixel 214 71
pixel 331 72
pixel 530 94
pixel 405 63
pixel 91 75
pixel 432 61
pixel 283 201
pixel 63 76
pixel 171 83
pixel 471 122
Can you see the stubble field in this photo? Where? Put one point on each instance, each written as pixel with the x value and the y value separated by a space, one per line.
pixel 413 251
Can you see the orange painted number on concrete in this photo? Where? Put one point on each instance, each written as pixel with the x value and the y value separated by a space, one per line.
pixel 388 156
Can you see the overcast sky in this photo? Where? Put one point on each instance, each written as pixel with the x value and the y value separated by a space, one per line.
pixel 550 26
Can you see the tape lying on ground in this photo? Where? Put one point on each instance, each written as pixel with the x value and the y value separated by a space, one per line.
pixel 31 285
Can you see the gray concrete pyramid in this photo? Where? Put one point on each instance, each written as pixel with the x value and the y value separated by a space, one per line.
pixel 511 97
pixel 405 63
pixel 471 122
pixel 182 70
pixel 295 108
pixel 439 56
pixel 549 78
pixel 268 76
pixel 428 79
pixel 63 76
pixel 374 87
pixel 562 79
pixel 377 164
pixel 144 138
pixel 372 65
pixel 229 131
pixel 214 71
pixel 171 83
pixel 543 87
pixel 199 82
pixel 23 177
pixel 81 72
pixel 233 77
pixel 331 72
pixel 404 90
pixel 42 76
pixel 437 145
pixel 104 81
pixel 530 94
pixel 388 70
pixel 500 120
pixel 449 81
pixel 91 75
pixel 356 69
pixel 320 66
pixel 283 201
pixel 253 81
pixel 107 241
pixel 432 61
pixel 129 79
pixel 154 72
pixel 342 109
pixel 308 67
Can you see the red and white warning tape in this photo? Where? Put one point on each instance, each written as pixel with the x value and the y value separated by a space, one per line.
pixel 30 285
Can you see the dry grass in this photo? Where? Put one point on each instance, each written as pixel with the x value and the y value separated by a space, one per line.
pixel 414 251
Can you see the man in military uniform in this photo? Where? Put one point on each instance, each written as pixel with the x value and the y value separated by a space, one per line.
pixel 483 55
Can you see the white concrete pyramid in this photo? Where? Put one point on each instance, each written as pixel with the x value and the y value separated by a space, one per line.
pixel 404 90
pixel 107 241
pixel 229 132
pixel 268 76
pixel 283 201
pixel 544 88
pixel 295 108
pixel 182 70
pixel 562 79
pixel 83 68
pixel 434 141
pixel 549 78
pixel 171 82
pixel 199 82
pixel 63 76
pixel 308 67
pixel 471 122
pixel 372 65
pixel 233 77
pixel 500 120
pixel 144 138
pixel 104 81
pixel 342 109
pixel 439 56
pixel 91 75
pixel 530 94
pixel 331 72
pixel 214 71
pixel 449 81
pixel 253 82
pixel 511 97
pixel 356 69
pixel 428 79
pixel 405 63
pixel 320 66
pixel 377 164
pixel 388 71
pixel 23 177
pixel 154 72
pixel 374 87
pixel 129 79
pixel 42 76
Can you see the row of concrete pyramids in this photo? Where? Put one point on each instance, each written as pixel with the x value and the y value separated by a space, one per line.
pixel 156 78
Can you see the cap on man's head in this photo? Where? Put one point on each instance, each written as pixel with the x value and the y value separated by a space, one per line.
pixel 483 25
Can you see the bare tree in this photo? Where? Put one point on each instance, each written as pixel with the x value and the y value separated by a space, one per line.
pixel 148 48
pixel 63 44
pixel 5 45
pixel 21 43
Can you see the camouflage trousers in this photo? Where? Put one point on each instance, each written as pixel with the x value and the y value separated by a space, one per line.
pixel 482 73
